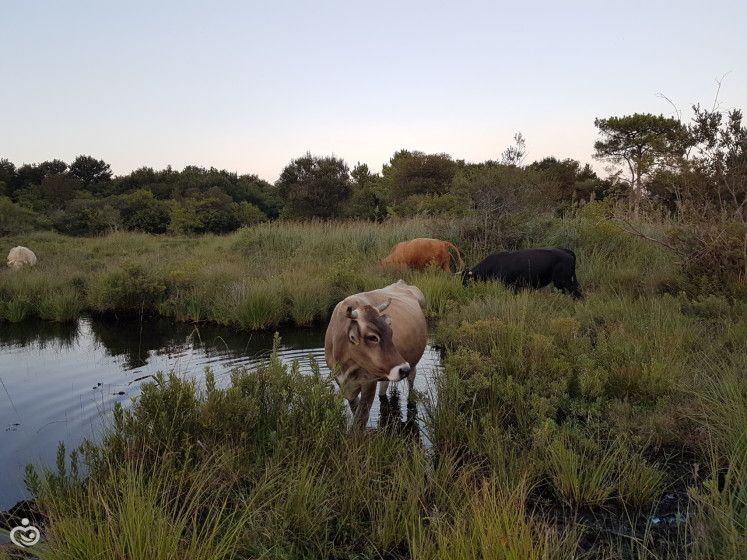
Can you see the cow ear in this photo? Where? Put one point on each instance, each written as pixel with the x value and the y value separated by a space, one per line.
pixel 388 319
pixel 354 333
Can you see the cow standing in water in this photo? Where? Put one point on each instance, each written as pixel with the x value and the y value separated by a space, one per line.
pixel 530 268
pixel 376 336
pixel 423 252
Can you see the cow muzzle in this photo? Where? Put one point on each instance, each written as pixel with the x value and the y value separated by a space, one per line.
pixel 399 372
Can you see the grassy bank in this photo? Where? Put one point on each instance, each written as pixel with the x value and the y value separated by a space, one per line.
pixel 270 274
pixel 612 427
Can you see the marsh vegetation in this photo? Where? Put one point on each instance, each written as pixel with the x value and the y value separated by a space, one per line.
pixel 609 427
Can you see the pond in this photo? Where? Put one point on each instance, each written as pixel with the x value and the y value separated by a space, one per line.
pixel 59 382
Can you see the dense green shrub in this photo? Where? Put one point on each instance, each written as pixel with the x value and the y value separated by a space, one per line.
pixel 140 211
pixel 15 219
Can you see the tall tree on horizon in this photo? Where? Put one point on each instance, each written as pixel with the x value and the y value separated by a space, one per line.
pixel 90 170
pixel 642 142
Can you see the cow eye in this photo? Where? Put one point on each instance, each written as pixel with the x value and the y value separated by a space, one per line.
pixel 372 338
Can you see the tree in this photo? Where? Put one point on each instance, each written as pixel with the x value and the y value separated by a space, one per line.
pixel 87 217
pixel 252 189
pixel 141 211
pixel 493 192
pixel 569 180
pixel 216 213
pixel 641 141
pixel 415 173
pixel 32 174
pixel 7 176
pixel 250 214
pixel 59 189
pixel 366 200
pixel 90 171
pixel 314 186
pixel 514 155
pixel 721 143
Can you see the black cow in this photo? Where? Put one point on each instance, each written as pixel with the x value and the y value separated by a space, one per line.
pixel 530 268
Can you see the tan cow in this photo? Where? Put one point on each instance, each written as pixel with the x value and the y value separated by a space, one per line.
pixel 375 336
pixel 20 257
pixel 423 252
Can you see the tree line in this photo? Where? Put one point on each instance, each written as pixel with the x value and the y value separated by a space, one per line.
pixel 695 171
pixel 84 198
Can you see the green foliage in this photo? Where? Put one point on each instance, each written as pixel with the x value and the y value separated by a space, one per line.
pixel 15 219
pixel 568 180
pixel 249 214
pixel 216 214
pixel 129 512
pixel 59 189
pixel 140 211
pixel 640 141
pixel 87 217
pixel 131 289
pixel 415 173
pixel 314 186
pixel 90 171
pixel 367 196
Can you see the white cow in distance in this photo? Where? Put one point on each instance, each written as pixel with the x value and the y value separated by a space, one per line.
pixel 20 257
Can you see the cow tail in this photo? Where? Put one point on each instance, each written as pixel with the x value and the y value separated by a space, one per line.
pixel 458 254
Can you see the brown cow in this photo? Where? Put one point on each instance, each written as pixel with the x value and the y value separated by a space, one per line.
pixel 421 253
pixel 364 345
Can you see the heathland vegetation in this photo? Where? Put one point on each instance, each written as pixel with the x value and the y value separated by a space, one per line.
pixel 611 427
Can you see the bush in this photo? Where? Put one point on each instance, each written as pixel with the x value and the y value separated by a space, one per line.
pixel 15 219
pixel 86 217
pixel 131 289
pixel 140 211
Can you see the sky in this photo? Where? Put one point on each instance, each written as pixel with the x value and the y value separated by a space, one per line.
pixel 248 86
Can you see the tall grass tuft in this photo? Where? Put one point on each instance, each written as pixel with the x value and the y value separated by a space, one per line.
pixel 138 512
pixel 582 473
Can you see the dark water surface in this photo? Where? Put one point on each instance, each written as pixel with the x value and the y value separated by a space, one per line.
pixel 60 382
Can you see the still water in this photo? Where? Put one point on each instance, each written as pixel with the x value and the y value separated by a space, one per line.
pixel 60 382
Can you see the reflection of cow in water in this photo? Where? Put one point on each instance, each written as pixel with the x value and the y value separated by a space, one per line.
pixel 375 336
pixel 423 252
pixel 390 415
pixel 530 268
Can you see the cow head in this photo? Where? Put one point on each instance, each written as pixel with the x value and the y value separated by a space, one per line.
pixel 370 345
pixel 466 275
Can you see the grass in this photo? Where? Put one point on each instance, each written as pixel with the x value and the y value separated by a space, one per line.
pixel 280 272
pixel 256 278
pixel 558 427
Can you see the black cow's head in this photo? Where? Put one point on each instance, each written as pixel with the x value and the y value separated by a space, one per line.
pixel 467 275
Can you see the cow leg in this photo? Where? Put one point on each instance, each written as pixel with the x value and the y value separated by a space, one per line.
pixel 410 384
pixel 564 279
pixel 353 404
pixel 368 392
pixel 383 386
pixel 352 394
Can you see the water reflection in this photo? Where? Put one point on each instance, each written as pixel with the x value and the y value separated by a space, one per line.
pixel 38 332
pixel 60 381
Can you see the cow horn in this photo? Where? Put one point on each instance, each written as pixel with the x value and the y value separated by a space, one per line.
pixel 380 308
pixel 352 313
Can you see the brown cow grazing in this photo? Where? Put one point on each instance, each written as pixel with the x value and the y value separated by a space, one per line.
pixel 375 336
pixel 422 253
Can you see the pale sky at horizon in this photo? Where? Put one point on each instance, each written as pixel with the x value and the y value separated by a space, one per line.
pixel 249 86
